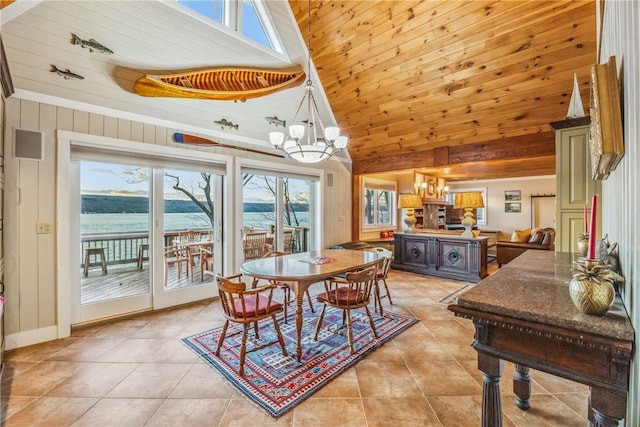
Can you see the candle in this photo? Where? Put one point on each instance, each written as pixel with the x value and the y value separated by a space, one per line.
pixel 586 221
pixel 591 251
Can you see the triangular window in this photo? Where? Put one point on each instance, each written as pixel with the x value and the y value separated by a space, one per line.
pixel 248 17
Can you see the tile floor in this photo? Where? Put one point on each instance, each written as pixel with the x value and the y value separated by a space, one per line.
pixel 136 372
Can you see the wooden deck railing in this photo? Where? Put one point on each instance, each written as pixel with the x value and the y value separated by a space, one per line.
pixel 122 248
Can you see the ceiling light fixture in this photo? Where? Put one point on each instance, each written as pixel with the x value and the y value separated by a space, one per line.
pixel 319 143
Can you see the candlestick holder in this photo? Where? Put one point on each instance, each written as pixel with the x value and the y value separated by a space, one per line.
pixel 591 287
pixel 582 244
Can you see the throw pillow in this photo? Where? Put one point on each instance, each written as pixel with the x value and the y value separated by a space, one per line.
pixel 521 236
pixel 536 237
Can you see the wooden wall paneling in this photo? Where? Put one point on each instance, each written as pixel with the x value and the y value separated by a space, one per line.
pixel 162 134
pixel 64 118
pixel 124 129
pixel 11 233
pixel 137 131
pixel 149 133
pixel 96 124
pixel 44 257
pixel 80 121
pixel 110 127
pixel 620 196
pixel 27 256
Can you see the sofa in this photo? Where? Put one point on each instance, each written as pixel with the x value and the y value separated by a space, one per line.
pixel 523 240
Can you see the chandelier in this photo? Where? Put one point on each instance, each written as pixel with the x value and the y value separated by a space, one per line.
pixel 317 143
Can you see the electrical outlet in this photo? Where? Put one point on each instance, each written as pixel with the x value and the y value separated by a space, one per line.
pixel 44 228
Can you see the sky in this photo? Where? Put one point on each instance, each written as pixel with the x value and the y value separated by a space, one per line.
pixel 131 181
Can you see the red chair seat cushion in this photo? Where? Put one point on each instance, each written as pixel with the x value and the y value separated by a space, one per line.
pixel 251 309
pixel 343 296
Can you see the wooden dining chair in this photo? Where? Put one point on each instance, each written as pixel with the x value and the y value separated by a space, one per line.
pixel 284 286
pixel 288 241
pixel 254 245
pixel 381 276
pixel 246 307
pixel 206 262
pixel 349 294
pixel 176 255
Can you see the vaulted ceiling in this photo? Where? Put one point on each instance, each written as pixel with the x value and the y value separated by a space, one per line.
pixel 458 89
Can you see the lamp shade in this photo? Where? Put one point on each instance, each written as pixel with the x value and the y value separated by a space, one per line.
pixel 472 199
pixel 406 201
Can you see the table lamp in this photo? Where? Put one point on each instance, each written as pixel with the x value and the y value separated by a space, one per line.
pixel 468 201
pixel 409 202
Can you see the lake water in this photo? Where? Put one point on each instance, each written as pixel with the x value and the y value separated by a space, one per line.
pixel 136 222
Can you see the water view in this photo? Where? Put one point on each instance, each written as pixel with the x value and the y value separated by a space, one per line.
pixel 105 223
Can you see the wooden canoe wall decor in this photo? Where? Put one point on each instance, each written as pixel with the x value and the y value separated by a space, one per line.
pixel 226 83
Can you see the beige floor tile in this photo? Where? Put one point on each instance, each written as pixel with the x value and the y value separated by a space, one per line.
pixel 39 379
pixel 150 381
pixel 14 404
pixel 545 411
pixel 330 413
pixel 202 381
pixel 119 412
pixel 93 380
pixel 444 378
pixel 403 412
pixel 133 350
pixel 243 413
pixel 86 349
pixel 344 385
pixel 51 411
pixel 386 379
pixel 189 412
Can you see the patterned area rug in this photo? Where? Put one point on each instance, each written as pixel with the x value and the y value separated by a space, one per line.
pixel 277 383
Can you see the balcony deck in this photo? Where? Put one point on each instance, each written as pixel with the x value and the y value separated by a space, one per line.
pixel 127 280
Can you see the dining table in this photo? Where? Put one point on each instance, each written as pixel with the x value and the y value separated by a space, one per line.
pixel 303 269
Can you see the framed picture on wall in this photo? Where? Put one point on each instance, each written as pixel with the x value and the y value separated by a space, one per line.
pixel 512 195
pixel 512 207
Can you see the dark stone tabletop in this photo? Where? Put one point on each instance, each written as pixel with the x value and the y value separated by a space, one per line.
pixel 535 287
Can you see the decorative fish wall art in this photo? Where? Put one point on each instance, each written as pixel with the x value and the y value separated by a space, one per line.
pixel 66 73
pixel 91 44
pixel 276 121
pixel 224 123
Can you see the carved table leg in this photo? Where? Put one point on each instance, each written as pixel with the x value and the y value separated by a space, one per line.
pixel 491 368
pixel 522 386
pixel 606 408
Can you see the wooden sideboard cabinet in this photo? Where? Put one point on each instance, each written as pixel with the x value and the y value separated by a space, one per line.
pixel 443 255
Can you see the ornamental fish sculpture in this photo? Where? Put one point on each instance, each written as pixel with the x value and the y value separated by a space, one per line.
pixel 91 44
pixel 66 73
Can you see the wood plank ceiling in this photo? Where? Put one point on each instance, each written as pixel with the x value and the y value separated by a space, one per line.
pixel 457 89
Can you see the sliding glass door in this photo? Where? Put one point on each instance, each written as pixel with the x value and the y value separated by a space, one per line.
pixel 276 212
pixel 148 236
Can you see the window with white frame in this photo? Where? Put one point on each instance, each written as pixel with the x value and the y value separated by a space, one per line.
pixel 379 203
pixel 247 17
pixel 481 213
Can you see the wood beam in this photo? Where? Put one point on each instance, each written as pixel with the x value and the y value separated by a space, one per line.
pixel 521 147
